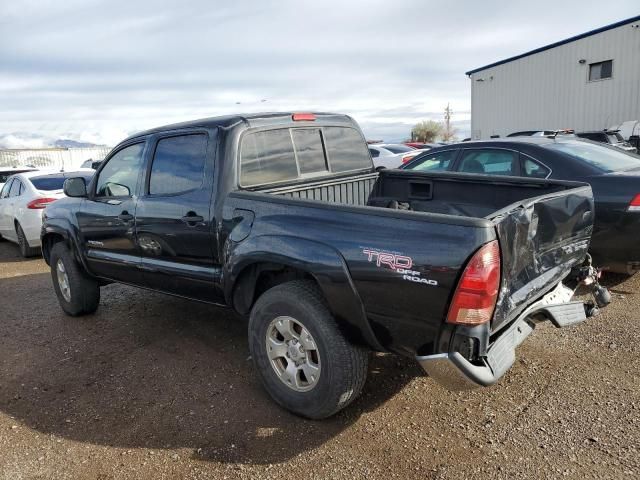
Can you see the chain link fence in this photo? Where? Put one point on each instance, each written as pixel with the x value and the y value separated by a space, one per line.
pixel 56 158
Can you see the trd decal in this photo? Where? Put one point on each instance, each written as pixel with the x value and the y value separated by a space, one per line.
pixel 389 259
pixel 398 263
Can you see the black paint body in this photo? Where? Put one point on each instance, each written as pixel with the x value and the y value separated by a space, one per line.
pixel 322 229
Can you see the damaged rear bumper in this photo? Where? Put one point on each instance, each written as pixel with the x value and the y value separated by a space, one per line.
pixel 455 372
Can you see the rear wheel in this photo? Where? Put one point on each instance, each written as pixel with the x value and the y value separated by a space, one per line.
pixel 78 294
pixel 304 361
pixel 25 250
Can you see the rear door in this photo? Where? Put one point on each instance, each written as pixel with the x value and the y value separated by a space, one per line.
pixel 174 216
pixel 106 217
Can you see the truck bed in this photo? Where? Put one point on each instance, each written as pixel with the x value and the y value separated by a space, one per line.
pixel 543 226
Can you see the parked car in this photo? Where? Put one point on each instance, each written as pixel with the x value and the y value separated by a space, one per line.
pixel 531 133
pixel 613 174
pixel 283 218
pixel 6 172
pixel 22 200
pixel 422 145
pixel 610 137
pixel 391 155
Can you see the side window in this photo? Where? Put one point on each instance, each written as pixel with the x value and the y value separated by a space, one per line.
pixel 16 187
pixel 434 162
pixel 489 161
pixel 347 149
pixel 267 157
pixel 374 153
pixel 5 189
pixel 119 177
pixel 533 169
pixel 309 150
pixel 178 164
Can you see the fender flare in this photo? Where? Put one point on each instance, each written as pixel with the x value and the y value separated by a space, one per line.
pixel 69 238
pixel 323 262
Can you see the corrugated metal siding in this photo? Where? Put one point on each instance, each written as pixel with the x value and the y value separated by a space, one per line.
pixel 348 191
pixel 550 89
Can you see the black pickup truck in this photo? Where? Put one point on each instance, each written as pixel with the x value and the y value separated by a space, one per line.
pixel 283 218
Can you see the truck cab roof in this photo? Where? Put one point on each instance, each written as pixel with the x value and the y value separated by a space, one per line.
pixel 249 120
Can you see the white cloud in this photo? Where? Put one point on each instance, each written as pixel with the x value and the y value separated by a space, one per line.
pixel 98 70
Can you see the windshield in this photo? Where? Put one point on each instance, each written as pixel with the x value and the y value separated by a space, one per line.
pixel 603 158
pixel 398 148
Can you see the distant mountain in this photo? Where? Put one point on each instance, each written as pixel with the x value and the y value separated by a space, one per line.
pixel 66 143
pixel 34 140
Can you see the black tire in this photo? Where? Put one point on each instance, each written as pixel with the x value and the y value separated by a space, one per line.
pixel 84 291
pixel 25 250
pixel 343 365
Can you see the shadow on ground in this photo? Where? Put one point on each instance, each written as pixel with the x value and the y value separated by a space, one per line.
pixel 152 371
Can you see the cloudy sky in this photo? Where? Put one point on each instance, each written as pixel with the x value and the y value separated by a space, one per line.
pixel 95 70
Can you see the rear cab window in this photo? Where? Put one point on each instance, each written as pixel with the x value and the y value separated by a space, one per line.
pixel 297 153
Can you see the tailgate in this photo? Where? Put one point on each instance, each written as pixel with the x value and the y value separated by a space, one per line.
pixel 541 239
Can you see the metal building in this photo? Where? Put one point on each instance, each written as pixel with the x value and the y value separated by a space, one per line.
pixel 587 82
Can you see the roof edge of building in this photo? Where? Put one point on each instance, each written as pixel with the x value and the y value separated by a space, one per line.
pixel 556 44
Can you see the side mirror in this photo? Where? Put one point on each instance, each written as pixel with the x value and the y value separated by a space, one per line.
pixel 75 187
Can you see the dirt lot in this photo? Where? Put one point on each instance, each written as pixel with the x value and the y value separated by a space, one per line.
pixel 153 387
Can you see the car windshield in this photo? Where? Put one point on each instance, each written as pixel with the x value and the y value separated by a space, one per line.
pixel 606 159
pixel 398 148
pixel 53 182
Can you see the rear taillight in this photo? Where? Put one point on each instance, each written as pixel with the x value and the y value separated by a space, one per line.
pixel 634 206
pixel 40 203
pixel 475 298
pixel 407 158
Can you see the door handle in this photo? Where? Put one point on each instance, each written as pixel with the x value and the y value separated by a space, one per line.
pixel 192 219
pixel 125 216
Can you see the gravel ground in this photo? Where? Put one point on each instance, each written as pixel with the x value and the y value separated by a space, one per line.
pixel 154 387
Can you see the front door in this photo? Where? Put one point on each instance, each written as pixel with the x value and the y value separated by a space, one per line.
pixel 174 217
pixel 107 217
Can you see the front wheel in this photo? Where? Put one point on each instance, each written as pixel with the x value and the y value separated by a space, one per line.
pixel 78 294
pixel 304 361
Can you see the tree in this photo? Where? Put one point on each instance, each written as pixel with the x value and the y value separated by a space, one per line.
pixel 426 131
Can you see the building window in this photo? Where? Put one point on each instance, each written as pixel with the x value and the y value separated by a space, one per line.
pixel 600 70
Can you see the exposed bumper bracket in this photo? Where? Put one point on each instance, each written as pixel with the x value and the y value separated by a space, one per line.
pixel 455 372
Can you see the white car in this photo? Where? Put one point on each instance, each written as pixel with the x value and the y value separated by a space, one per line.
pixel 6 172
pixel 391 155
pixel 23 199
